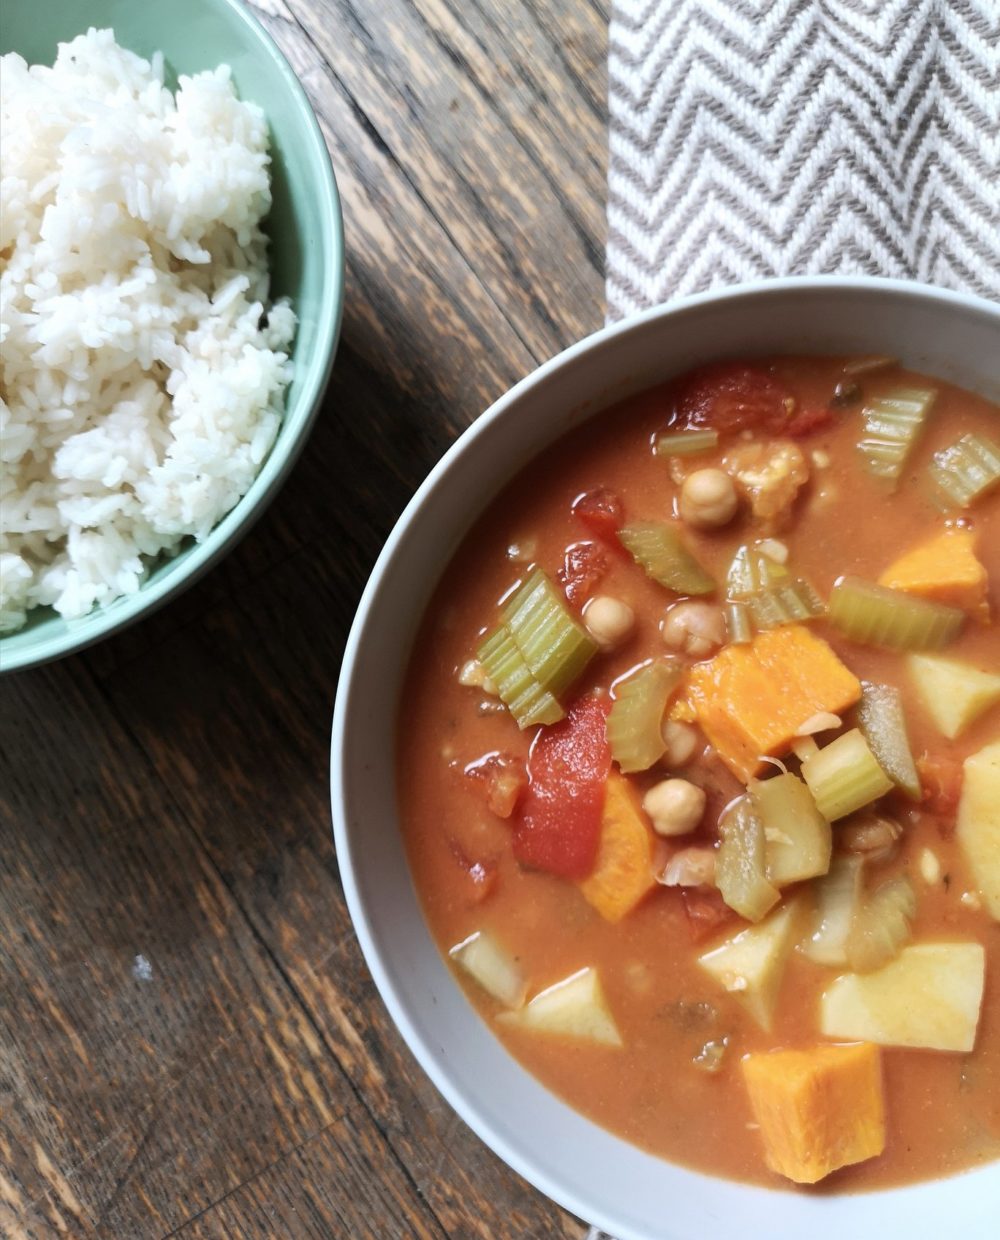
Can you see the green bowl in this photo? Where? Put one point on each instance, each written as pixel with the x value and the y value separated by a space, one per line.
pixel 307 255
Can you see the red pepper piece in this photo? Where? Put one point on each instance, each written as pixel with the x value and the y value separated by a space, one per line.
pixel 584 567
pixel 602 512
pixel 560 819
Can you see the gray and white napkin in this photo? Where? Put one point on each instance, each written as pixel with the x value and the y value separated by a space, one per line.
pixel 754 138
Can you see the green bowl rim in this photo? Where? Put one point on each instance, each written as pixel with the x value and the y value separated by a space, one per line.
pixel 102 622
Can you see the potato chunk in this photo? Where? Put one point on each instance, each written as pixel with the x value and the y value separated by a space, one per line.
pixel 818 1109
pixel 573 1008
pixel 954 694
pixel 979 823
pixel 929 996
pixel 751 964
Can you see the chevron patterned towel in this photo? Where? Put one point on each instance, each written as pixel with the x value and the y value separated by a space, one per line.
pixel 756 138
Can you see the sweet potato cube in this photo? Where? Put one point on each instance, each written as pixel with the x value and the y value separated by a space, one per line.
pixel 818 1109
pixel 623 872
pixel 944 570
pixel 752 700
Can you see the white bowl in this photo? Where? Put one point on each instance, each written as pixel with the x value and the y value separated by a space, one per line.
pixel 590 1172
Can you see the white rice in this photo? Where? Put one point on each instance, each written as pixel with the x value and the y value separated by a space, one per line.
pixel 142 379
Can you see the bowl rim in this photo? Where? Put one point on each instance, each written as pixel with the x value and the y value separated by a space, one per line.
pixel 433 1064
pixel 100 623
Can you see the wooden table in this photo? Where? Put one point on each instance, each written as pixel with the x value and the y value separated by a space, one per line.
pixel 190 1043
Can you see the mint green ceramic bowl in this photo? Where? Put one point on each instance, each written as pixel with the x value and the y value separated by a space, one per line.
pixel 307 254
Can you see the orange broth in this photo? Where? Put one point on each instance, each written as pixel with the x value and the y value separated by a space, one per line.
pixel 943 1109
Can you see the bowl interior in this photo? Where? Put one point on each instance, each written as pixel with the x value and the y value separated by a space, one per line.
pixel 303 226
pixel 589 1171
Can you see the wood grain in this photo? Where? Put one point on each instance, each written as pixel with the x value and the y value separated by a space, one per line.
pixel 190 1043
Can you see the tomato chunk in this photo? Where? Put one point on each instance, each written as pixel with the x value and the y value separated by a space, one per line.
pixel 941 778
pixel 559 824
pixel 601 511
pixel 706 912
pixel 731 396
pixel 584 567
pixel 503 780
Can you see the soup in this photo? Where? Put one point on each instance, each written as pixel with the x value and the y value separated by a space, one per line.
pixel 699 772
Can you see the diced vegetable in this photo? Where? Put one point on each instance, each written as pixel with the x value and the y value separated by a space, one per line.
pixel 492 966
pixel 602 512
pixel 657 547
pixel 573 1008
pixel 555 646
pixel 557 827
pixel 798 838
pixel 740 866
pixel 794 602
pixel 954 694
pixel 865 365
pixel 881 925
pixel 749 570
pixel 929 996
pixel 883 725
pixel 686 443
pixel 750 965
pixel 838 898
pixel 623 872
pixel 966 470
pixel 751 700
pixel 892 424
pixel 635 725
pixel 845 776
pixel 944 570
pixel 978 828
pixel 738 625
pixel 517 688
pixel 818 1109
pixel 878 616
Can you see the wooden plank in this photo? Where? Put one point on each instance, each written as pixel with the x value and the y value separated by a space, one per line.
pixel 489 132
pixel 191 1043
pixel 237 722
pixel 153 1058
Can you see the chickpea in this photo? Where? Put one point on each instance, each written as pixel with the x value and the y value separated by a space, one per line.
pixel 708 499
pixel 675 806
pixel 696 629
pixel 681 740
pixel 609 621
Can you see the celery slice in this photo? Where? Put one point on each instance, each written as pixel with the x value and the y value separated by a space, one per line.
pixel 792 603
pixel 845 776
pixel 892 424
pixel 838 898
pixel 738 624
pixel 740 868
pixel 526 699
pixel 635 724
pixel 881 926
pixel 966 470
pixel 657 547
pixel 883 724
pixel 797 837
pixel 555 646
pixel 879 616
pixel 686 443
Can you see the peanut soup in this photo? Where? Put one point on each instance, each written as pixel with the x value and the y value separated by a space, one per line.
pixel 699 771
